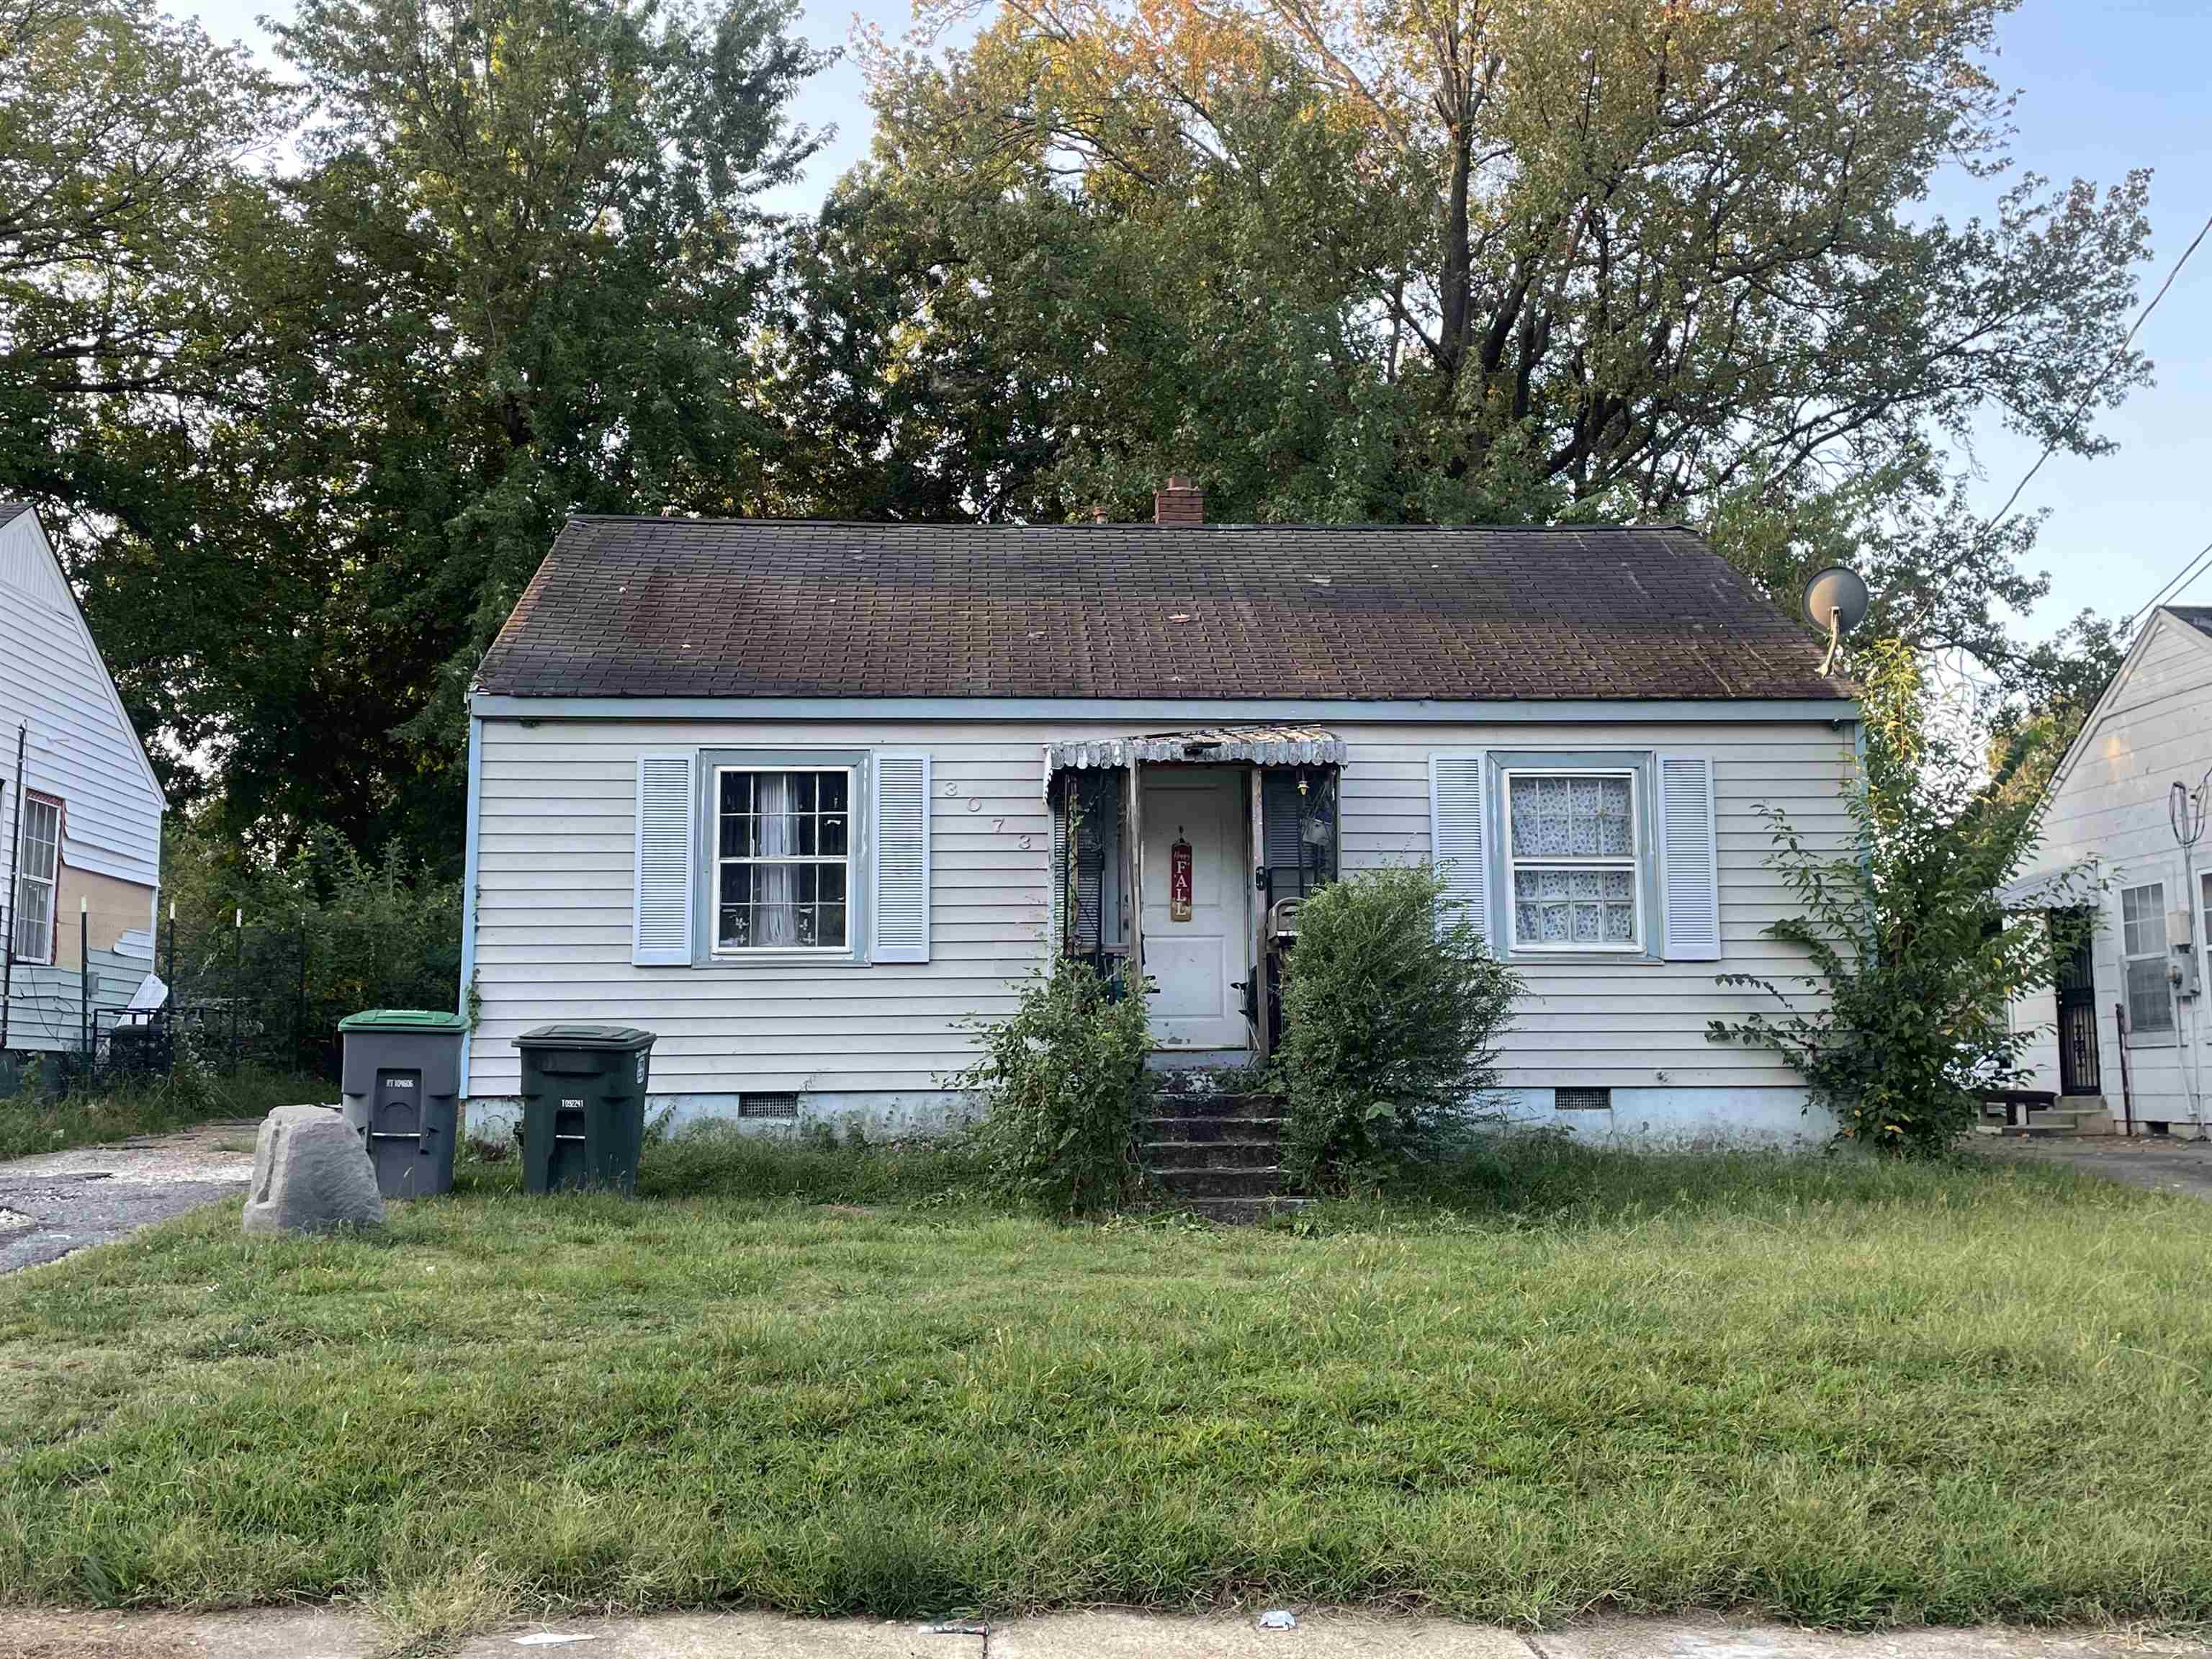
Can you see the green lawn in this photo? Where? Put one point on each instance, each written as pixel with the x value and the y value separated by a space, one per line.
pixel 1819 1387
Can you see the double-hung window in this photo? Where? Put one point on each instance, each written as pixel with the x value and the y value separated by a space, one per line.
pixel 2143 958
pixel 1572 848
pixel 38 873
pixel 783 865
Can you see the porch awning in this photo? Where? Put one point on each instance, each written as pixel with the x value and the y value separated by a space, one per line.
pixel 2063 888
pixel 1257 745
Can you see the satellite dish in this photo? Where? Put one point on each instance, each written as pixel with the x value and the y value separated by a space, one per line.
pixel 1835 599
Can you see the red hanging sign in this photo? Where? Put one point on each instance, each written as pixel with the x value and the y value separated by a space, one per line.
pixel 1179 880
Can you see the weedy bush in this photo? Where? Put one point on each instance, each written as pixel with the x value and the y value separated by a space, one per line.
pixel 1390 1012
pixel 1062 1082
pixel 1902 1019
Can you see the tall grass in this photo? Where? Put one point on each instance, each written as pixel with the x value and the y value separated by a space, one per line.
pixel 820 1379
pixel 32 1121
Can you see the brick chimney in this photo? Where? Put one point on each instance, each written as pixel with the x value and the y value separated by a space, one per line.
pixel 1180 502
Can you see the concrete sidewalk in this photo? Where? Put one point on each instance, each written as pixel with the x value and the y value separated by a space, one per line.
pixel 284 1633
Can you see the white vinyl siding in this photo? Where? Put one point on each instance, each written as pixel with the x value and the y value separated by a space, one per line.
pixel 555 864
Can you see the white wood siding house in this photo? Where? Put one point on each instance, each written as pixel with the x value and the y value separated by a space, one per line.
pixel 2119 1018
pixel 86 810
pixel 691 735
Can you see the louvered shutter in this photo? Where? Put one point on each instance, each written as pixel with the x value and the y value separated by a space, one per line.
pixel 901 858
pixel 660 934
pixel 1458 840
pixel 1057 879
pixel 1689 859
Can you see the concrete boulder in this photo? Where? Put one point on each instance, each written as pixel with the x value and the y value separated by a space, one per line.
pixel 311 1175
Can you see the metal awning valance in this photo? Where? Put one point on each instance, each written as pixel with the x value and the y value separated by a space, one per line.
pixel 2064 887
pixel 1257 745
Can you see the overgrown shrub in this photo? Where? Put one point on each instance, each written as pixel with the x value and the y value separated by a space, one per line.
pixel 1390 1015
pixel 1902 1020
pixel 295 947
pixel 1062 1082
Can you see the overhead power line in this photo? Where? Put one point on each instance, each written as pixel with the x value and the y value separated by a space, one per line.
pixel 2192 568
pixel 2096 385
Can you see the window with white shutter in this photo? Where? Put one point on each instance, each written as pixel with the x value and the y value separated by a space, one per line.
pixel 1689 851
pixel 901 858
pixel 661 899
pixel 1457 841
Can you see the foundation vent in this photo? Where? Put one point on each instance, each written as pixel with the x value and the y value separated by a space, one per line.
pixel 768 1106
pixel 1582 1100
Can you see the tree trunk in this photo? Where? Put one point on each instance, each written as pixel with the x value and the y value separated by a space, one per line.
pixel 1458 263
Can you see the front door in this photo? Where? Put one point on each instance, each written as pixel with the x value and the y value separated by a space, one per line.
pixel 1196 951
pixel 2079 1072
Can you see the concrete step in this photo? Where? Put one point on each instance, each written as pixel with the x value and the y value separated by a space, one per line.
pixel 1236 1210
pixel 1163 1155
pixel 1261 1182
pixel 1218 1106
pixel 1210 1128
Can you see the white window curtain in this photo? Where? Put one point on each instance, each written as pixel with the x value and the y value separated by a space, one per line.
pixel 1572 842
pixel 784 856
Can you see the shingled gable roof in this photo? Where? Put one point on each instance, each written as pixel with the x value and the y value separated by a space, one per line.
pixel 749 608
pixel 2198 617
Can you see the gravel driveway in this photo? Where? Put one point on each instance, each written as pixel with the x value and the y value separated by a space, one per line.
pixel 56 1202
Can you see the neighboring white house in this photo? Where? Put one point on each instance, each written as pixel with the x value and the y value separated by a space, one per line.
pixel 2109 807
pixel 806 800
pixel 87 803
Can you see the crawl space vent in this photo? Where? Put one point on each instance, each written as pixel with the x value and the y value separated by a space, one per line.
pixel 768 1106
pixel 1583 1100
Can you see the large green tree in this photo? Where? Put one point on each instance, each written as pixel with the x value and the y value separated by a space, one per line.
pixel 517 274
pixel 1474 258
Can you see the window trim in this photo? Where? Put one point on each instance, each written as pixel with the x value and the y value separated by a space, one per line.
pixel 52 884
pixel 1642 765
pixel 2169 1035
pixel 1635 863
pixel 706 953
pixel 2203 878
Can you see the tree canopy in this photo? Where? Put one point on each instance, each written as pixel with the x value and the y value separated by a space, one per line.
pixel 311 366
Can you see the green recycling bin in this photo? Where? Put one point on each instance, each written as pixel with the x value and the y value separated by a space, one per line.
pixel 401 1081
pixel 583 1106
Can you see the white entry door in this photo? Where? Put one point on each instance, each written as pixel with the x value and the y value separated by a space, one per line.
pixel 1197 961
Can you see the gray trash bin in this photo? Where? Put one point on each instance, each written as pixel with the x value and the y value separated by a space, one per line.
pixel 400 1081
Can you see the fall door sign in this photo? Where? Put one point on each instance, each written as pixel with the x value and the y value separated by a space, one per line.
pixel 1179 879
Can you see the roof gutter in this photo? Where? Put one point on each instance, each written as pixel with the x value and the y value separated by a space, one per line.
pixel 1838 711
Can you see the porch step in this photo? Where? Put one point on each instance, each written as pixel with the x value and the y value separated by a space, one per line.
pixel 2072 1114
pixel 1218 1155
pixel 1231 1210
pixel 1162 1156
pixel 1259 1181
pixel 1170 1130
pixel 1218 1106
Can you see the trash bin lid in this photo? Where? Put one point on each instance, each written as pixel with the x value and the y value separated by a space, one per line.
pixel 570 1036
pixel 403 1019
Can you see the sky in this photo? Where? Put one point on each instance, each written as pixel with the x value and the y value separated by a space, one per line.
pixel 2104 85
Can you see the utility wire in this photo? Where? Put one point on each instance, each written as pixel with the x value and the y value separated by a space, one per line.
pixel 2095 386
pixel 2180 578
